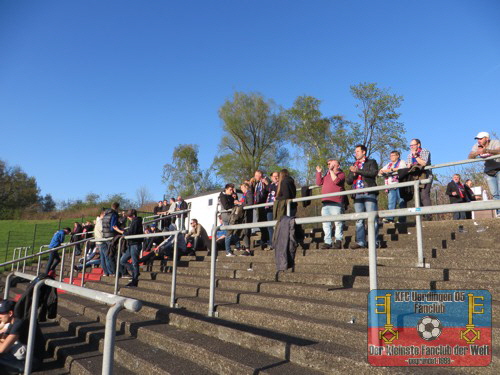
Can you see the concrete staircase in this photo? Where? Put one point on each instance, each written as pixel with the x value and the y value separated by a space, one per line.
pixel 309 320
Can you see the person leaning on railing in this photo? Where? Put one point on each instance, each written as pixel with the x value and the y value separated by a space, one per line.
pixel 56 241
pixel 133 246
pixel 390 172
pixel 458 194
pixel 286 190
pixel 484 148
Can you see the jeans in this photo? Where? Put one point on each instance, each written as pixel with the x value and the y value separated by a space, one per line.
pixel 395 199
pixel 227 239
pixel 133 251
pixel 270 230
pixel 494 186
pixel 106 265
pixel 459 215
pixel 330 209
pixel 365 203
pixel 54 260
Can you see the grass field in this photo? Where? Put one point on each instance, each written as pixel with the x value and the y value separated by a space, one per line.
pixel 33 233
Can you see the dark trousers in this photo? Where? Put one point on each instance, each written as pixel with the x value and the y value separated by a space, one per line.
pixel 425 198
pixel 54 260
pixel 262 216
pixel 133 251
pixel 270 230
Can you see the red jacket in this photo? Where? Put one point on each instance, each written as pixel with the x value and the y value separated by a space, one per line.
pixel 331 186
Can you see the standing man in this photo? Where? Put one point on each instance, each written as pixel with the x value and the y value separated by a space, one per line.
pixel 109 230
pixel 457 193
pixel 134 246
pixel 102 246
pixel 56 241
pixel 484 148
pixel 390 172
pixel 421 157
pixel 272 189
pixel 361 175
pixel 332 182
pixel 227 201
pixel 181 205
pixel 260 193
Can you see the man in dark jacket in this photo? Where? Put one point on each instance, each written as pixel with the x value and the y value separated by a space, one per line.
pixel 109 230
pixel 246 200
pixel 134 246
pixel 227 201
pixel 458 194
pixel 361 175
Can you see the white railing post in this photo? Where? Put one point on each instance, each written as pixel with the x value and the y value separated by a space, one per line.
pixel 174 273
pixel 213 254
pixel 117 264
pixel 372 249
pixel 418 225
pixel 109 338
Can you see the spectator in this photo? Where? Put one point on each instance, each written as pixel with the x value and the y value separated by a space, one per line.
pixel 457 193
pixel 484 148
pixel 165 211
pixel 88 228
pixel 272 188
pixel 134 246
pixel 246 200
pixel 109 230
pixel 361 175
pixel 286 190
pixel 77 229
pixel 390 172
pixel 181 205
pixel 260 192
pixel 221 238
pixel 421 157
pixel 122 220
pixel 197 236
pixel 332 182
pixel 102 246
pixel 227 200
pixel 91 259
pixel 471 195
pixel 56 241
pixel 14 340
pixel 158 208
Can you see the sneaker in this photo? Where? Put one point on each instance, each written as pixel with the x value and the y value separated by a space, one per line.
pixel 325 246
pixel 355 246
pixel 337 244
pixel 126 276
pixel 132 284
pixel 230 255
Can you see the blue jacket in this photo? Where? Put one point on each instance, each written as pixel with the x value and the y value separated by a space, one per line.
pixel 58 239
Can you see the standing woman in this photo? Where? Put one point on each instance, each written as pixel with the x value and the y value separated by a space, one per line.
pixel 286 190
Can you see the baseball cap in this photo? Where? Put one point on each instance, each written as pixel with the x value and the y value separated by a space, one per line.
pixel 6 306
pixel 482 135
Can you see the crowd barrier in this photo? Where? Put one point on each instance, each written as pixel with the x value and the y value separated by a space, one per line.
pixel 117 304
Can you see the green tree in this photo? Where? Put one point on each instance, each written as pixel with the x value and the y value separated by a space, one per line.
pixel 18 191
pixel 47 203
pixel 255 133
pixel 317 137
pixel 183 176
pixel 380 129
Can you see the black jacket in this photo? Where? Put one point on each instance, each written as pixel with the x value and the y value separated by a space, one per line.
pixel 287 189
pixel 134 228
pixel 369 174
pixel 453 188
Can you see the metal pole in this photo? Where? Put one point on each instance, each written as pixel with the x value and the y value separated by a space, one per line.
pixel 38 265
pixel 372 249
pixel 288 207
pixel 83 264
pixel 174 273
pixel 62 265
pixel 72 265
pixel 19 249
pixel 24 261
pixel 109 338
pixel 117 265
pixel 418 224
pixel 13 257
pixel 211 303
pixel 7 285
pixel 32 328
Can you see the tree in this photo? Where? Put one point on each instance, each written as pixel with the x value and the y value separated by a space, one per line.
pixel 143 196
pixel 183 176
pixel 92 198
pixel 47 204
pixel 255 132
pixel 317 137
pixel 18 191
pixel 380 129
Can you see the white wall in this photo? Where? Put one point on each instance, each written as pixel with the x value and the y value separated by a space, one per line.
pixel 203 211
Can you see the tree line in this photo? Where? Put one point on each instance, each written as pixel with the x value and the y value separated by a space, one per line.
pixel 260 134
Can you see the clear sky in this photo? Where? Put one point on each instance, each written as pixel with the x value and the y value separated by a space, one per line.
pixel 94 95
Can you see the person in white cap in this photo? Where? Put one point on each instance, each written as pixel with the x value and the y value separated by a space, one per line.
pixel 486 147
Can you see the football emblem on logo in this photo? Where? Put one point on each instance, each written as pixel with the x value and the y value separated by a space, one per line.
pixel 429 328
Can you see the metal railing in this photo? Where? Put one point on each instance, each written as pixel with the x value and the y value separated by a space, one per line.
pixel 117 304
pixel 174 214
pixel 371 218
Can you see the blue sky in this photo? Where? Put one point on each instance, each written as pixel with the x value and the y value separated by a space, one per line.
pixel 94 95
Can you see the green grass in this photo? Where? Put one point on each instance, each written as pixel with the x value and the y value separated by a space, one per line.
pixel 33 233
